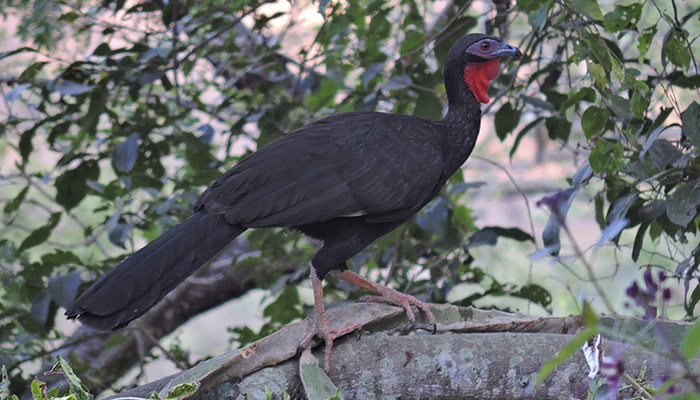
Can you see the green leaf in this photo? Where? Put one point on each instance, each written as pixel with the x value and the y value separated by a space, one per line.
pixel 570 348
pixel 76 386
pixel 691 341
pixel 71 187
pixel 489 235
pixel 60 257
pixel 25 143
pixel 37 389
pixel 286 308
pixel 687 82
pixel 538 18
pixel 182 391
pixel 103 50
pixel 69 17
pixel 676 50
pixel 4 380
pixel 623 17
pixel 156 396
pixel 40 235
pixel 5 54
pixel 98 99
pixel 589 7
pixel 31 71
pixel 414 40
pixel 589 316
pixel 57 131
pixel 683 203
pixel 522 134
pixel 324 95
pixel 584 94
pixel 317 384
pixel 536 294
pixel 506 119
pixel 639 241
pixel 531 5
pixel 558 128
pixel 644 40
pixel 13 205
pixel 606 157
pixel 690 119
pixel 639 103
pixel 598 48
pixel 594 120
pixel 694 300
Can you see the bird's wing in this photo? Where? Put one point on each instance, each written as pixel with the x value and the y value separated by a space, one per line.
pixel 379 165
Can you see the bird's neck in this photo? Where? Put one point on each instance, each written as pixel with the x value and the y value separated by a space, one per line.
pixel 461 123
pixel 464 108
pixel 465 113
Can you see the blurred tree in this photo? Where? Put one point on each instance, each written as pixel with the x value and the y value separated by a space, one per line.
pixel 118 113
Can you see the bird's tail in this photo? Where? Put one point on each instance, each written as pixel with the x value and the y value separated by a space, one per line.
pixel 144 278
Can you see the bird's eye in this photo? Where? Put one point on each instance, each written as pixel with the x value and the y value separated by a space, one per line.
pixel 485 45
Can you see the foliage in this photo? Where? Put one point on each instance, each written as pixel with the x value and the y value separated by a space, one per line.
pixel 119 113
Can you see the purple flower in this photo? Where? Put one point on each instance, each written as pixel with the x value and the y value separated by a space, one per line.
pixel 553 201
pixel 662 276
pixel 666 294
pixel 611 369
pixel 633 291
pixel 652 287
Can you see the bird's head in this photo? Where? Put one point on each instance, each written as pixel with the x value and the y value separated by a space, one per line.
pixel 475 57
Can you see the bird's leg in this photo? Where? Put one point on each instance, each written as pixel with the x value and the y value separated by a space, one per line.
pixel 390 296
pixel 321 329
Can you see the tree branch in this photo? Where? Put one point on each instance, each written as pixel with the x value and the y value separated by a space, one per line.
pixel 479 355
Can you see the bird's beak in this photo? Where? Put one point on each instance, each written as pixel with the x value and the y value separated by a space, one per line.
pixel 507 50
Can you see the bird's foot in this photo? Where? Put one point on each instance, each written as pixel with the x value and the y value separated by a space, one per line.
pixel 328 335
pixel 405 301
pixel 391 296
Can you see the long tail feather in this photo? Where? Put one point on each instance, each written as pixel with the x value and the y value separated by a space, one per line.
pixel 144 278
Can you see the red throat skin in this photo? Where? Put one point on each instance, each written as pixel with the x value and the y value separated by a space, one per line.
pixel 478 76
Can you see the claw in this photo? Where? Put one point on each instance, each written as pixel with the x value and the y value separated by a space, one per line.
pixel 405 301
pixel 390 296
pixel 383 295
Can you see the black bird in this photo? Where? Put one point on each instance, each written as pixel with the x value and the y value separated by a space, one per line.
pixel 346 180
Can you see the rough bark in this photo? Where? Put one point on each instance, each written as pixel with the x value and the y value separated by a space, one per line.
pixel 475 355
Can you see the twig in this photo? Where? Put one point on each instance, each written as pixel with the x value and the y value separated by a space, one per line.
pixel 223 30
pixel 637 386
pixel 70 214
pixel 180 364
pixel 517 188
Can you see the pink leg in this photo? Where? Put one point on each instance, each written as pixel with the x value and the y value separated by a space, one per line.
pixel 321 330
pixel 388 295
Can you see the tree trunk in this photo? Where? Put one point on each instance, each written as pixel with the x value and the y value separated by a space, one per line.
pixel 475 355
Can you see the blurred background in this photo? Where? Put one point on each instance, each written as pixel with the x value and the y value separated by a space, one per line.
pixel 117 114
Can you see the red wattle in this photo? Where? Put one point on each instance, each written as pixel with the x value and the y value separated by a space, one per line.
pixel 478 76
